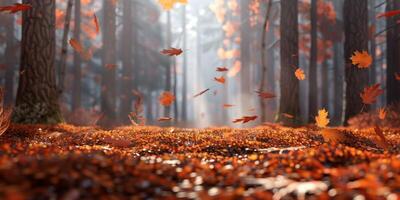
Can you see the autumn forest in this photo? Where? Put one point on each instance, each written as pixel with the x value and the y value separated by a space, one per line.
pixel 199 99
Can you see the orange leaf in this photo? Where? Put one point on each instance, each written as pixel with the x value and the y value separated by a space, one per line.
pixel 370 94
pixel 111 66
pixel 166 98
pixel 361 59
pixel 389 14
pixel 220 79
pixel 383 142
pixel 245 119
pixel 299 73
pixel 228 105
pixel 17 7
pixel 76 45
pixel 172 52
pixel 288 115
pixel 322 119
pixel 222 69
pixel 164 119
pixel 266 95
pixel 96 23
pixel 397 76
pixel 382 113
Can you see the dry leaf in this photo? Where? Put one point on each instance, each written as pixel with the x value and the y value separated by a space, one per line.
pixel 220 79
pixel 382 142
pixel 370 94
pixel 265 95
pixel 172 52
pixel 389 14
pixel 96 23
pixel 322 119
pixel 289 116
pixel 164 119
pixel 382 113
pixel 299 73
pixel 361 59
pixel 222 69
pixel 201 93
pixel 166 98
pixel 333 135
pixel 17 7
pixel 397 76
pixel 228 105
pixel 245 119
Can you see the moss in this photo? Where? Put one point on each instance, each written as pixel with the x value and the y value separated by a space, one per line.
pixel 37 114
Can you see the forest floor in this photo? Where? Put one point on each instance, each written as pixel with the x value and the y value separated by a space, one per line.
pixel 266 162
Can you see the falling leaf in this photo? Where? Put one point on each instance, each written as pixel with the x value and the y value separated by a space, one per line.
pixel 383 142
pixel 164 119
pixel 397 76
pixel 220 79
pixel 166 98
pixel 265 95
pixel 322 119
pixel 361 59
pixel 76 45
pixel 245 119
pixel 172 52
pixel 17 7
pixel 382 113
pixel 333 135
pixel 370 94
pixel 299 73
pixel 222 69
pixel 389 14
pixel 228 105
pixel 288 115
pixel 96 23
pixel 201 93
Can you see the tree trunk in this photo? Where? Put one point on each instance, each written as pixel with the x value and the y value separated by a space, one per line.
pixel 167 109
pixel 108 92
pixel 10 57
pixel 184 86
pixel 338 73
pixel 355 14
pixel 64 48
pixel 289 101
pixel 127 62
pixel 76 88
pixel 37 97
pixel 325 86
pixel 313 85
pixel 393 54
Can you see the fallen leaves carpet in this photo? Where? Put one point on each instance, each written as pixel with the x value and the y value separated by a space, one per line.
pixel 270 162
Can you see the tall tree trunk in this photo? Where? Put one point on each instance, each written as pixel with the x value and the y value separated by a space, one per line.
pixel 289 101
pixel 37 97
pixel 184 86
pixel 64 48
pixel 393 54
pixel 313 86
pixel 10 57
pixel 76 87
pixel 167 109
pixel 338 74
pixel 108 92
pixel 127 62
pixel 325 87
pixel 245 42
pixel 355 14
pixel 264 65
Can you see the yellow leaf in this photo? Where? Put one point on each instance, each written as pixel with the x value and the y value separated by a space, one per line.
pixel 361 59
pixel 299 73
pixel 322 119
pixel 169 4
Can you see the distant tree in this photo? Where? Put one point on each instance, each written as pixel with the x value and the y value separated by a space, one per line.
pixel 37 97
pixel 245 43
pixel 127 62
pixel 62 65
pixel 167 109
pixel 108 82
pixel 289 101
pixel 10 56
pixel 355 15
pixel 393 53
pixel 184 84
pixel 77 67
pixel 313 86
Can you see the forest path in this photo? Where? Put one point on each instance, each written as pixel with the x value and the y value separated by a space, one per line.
pixel 67 162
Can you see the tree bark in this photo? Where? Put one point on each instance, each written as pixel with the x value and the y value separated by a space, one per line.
pixel 10 57
pixel 108 92
pixel 355 14
pixel 37 97
pixel 127 62
pixel 393 54
pixel 313 85
pixel 76 88
pixel 289 100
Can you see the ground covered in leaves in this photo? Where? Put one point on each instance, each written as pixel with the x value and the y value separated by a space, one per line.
pixel 269 162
